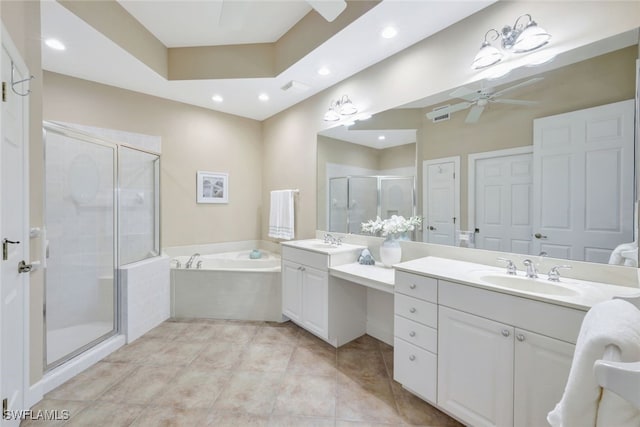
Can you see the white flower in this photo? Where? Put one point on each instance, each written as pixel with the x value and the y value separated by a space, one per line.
pixel 394 225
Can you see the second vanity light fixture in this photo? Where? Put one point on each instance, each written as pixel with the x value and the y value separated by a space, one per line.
pixel 340 108
pixel 521 38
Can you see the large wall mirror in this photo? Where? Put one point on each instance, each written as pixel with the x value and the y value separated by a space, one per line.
pixel 541 159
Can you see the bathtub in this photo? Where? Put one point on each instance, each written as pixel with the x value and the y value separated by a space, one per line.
pixel 227 285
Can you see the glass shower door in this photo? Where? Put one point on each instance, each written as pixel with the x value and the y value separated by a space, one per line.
pixel 80 216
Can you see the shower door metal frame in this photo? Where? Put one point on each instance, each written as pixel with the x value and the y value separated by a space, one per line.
pixel 115 145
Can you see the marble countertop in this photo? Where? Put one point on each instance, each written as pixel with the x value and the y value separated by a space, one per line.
pixel 318 245
pixel 578 294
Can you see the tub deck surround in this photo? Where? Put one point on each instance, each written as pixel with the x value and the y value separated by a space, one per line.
pixel 583 294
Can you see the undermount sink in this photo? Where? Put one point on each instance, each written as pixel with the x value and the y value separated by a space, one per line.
pixel 525 284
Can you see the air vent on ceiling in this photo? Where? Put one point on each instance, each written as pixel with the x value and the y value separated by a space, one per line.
pixel 442 117
pixel 294 86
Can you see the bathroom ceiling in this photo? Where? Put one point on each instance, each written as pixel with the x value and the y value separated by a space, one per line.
pixel 90 55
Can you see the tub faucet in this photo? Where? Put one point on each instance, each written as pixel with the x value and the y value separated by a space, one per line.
pixel 178 264
pixel 191 260
pixel 329 239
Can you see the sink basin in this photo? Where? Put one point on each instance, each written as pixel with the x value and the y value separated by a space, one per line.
pixel 519 283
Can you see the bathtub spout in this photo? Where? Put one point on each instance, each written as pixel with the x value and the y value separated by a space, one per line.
pixel 191 260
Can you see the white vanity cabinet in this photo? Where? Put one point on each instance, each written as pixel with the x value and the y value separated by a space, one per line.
pixel 327 307
pixel 493 370
pixel 416 334
pixel 304 296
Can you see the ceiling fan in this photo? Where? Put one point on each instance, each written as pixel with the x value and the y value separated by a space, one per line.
pixel 478 99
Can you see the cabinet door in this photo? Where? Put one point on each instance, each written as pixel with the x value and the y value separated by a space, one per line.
pixel 315 293
pixel 292 290
pixel 542 367
pixel 475 368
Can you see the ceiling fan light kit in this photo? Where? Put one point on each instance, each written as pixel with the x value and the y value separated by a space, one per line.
pixel 521 38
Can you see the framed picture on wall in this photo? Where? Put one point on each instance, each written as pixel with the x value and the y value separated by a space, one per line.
pixel 212 187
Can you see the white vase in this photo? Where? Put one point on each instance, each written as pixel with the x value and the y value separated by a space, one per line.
pixel 390 252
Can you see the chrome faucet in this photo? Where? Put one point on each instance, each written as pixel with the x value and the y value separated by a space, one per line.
pixel 554 274
pixel 532 271
pixel 511 267
pixel 333 241
pixel 191 260
pixel 178 264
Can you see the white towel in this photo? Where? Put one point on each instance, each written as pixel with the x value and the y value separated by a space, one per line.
pixel 584 403
pixel 281 215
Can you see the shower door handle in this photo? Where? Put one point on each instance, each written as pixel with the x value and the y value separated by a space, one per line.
pixel 23 267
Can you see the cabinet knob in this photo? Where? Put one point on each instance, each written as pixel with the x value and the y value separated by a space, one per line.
pixel 412 310
pixel 520 337
pixel 412 286
pixel 505 333
pixel 412 334
pixel 412 358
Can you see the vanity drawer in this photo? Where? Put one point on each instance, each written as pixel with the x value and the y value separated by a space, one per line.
pixel 416 333
pixel 416 369
pixel 414 285
pixel 308 258
pixel 416 309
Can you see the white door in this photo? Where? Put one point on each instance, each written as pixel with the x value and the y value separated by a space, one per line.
pixel 583 185
pixel 503 196
pixel 475 368
pixel 15 237
pixel 441 207
pixel 315 296
pixel 541 372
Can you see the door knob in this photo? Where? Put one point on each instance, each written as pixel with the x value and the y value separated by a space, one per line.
pixel 539 236
pixel 520 337
pixel 505 333
pixel 412 334
pixel 432 228
pixel 23 267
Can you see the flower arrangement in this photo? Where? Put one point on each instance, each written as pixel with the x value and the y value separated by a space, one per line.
pixel 393 226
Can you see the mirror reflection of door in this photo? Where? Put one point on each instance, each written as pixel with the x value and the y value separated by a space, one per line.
pixel 441 192
pixel 583 187
pixel 502 182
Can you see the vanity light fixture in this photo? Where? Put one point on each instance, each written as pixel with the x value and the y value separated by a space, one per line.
pixel 338 109
pixel 521 38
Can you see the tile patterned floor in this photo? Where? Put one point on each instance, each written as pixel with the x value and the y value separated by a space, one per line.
pixel 225 373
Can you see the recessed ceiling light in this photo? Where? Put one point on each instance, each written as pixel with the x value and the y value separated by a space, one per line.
pixel 382 138
pixel 389 33
pixel 217 98
pixel 324 71
pixel 263 97
pixel 55 44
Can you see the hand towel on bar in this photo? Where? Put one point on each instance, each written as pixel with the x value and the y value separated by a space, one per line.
pixel 281 215
pixel 584 403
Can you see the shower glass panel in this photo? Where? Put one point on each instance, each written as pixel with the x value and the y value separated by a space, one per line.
pixel 396 197
pixel 80 214
pixel 139 211
pixel 338 204
pixel 357 199
pixel 363 201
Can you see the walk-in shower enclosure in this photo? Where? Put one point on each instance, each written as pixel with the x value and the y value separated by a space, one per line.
pixel 101 211
pixel 357 199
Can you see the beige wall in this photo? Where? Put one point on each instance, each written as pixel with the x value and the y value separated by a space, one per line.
pixel 602 80
pixel 22 21
pixel 193 139
pixel 417 72
pixel 398 157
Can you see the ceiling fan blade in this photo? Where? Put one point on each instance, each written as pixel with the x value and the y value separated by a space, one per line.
pixel 474 114
pixel 329 9
pixel 450 109
pixel 514 101
pixel 518 86
pixel 465 93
